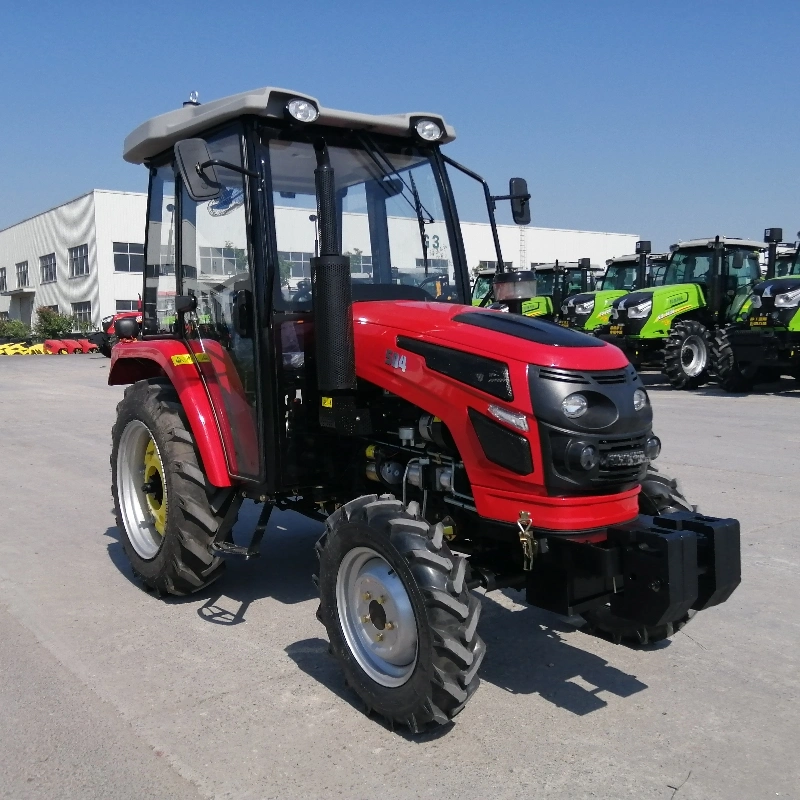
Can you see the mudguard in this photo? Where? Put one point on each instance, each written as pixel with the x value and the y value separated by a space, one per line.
pixel 220 443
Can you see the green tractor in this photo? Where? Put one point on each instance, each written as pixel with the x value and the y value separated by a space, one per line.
pixel 554 283
pixel 587 311
pixel 765 343
pixel 707 284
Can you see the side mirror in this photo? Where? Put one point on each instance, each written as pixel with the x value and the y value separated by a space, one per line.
pixel 201 184
pixel 520 201
pixel 738 259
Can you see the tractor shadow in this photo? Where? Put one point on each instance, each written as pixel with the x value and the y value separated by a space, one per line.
pixel 785 387
pixel 526 654
pixel 283 570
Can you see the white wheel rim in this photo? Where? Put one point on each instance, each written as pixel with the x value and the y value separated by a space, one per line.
pixel 136 513
pixel 694 355
pixel 377 617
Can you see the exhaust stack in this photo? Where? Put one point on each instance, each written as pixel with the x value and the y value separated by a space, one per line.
pixel 330 281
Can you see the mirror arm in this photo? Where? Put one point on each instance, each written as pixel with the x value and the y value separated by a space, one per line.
pixel 496 197
pixel 215 162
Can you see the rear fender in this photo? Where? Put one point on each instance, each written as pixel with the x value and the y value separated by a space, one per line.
pixel 135 361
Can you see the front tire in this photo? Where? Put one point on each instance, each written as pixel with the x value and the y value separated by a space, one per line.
pixel 398 613
pixel 161 496
pixel 729 374
pixel 687 355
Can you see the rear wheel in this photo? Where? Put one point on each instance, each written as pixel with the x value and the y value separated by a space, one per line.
pixel 161 496
pixel 687 355
pixel 729 374
pixel 399 616
pixel 659 495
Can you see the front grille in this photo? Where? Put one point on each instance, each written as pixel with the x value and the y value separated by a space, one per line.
pixel 562 375
pixel 620 473
pixel 607 378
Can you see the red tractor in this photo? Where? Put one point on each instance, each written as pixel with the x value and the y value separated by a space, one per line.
pixel 446 448
pixel 102 341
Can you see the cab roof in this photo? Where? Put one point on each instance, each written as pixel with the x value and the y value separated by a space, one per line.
pixel 162 132
pixel 728 241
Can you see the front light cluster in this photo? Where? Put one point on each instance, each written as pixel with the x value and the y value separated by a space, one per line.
pixel 576 405
pixel 641 310
pixel 788 299
pixel 428 130
pixel 584 308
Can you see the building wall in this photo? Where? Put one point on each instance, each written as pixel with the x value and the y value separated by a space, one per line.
pixel 100 218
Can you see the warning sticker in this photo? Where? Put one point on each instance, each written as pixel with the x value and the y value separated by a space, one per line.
pixel 327 402
pixel 185 358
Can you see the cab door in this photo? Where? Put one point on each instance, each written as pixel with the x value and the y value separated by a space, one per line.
pixel 217 268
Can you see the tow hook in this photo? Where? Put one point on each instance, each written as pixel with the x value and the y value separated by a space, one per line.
pixel 526 540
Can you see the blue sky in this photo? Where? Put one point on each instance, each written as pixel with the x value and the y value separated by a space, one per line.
pixel 671 120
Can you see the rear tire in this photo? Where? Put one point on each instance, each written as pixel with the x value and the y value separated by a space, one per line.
pixel 166 532
pixel 687 355
pixel 729 374
pixel 376 542
pixel 659 495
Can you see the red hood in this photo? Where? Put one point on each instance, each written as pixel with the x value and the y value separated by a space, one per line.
pixel 436 324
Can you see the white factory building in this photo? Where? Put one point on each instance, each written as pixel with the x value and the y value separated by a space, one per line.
pixel 85 257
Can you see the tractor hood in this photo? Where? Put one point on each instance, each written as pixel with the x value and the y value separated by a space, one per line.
pixel 488 333
pixel 776 286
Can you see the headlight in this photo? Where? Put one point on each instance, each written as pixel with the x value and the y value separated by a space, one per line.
pixel 574 405
pixel 787 299
pixel 428 130
pixel 584 308
pixel 755 301
pixel 565 309
pixel 302 110
pixel 639 399
pixel 652 447
pixel 640 311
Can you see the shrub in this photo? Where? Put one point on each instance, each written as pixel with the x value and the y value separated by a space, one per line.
pixel 51 324
pixel 14 329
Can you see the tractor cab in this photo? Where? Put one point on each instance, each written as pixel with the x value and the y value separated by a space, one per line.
pixel 555 283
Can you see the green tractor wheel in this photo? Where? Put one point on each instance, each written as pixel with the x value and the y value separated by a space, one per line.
pixel 687 355
pixel 729 374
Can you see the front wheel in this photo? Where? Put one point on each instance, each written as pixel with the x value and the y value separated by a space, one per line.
pixel 687 355
pixel 161 496
pixel 729 373
pixel 398 613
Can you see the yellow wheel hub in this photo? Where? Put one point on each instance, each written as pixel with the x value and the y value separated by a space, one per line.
pixel 155 487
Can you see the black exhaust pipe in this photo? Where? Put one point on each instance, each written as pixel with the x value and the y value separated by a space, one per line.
pixel 773 237
pixel 643 249
pixel 331 295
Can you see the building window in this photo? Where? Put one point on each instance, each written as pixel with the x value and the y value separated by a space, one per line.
pixel 54 309
pixel 128 257
pixel 48 266
pixel 127 305
pixel 3 286
pixel 360 264
pixel 79 261
pixel 3 315
pixel 82 311
pixel 493 264
pixel 435 263
pixel 166 262
pixel 22 274
pixel 299 263
pixel 222 260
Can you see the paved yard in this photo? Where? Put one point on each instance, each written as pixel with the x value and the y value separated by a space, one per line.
pixel 108 692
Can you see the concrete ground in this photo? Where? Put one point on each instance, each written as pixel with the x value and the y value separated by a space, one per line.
pixel 109 692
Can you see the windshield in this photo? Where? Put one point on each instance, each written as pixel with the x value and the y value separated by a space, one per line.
pixel 392 221
pixel 787 265
pixel 481 288
pixel 694 266
pixel 545 282
pixel 619 276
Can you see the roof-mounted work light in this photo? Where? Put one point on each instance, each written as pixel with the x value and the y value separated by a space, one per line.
pixel 302 110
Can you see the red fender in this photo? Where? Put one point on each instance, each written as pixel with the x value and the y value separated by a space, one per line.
pixel 87 346
pixel 72 346
pixel 137 360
